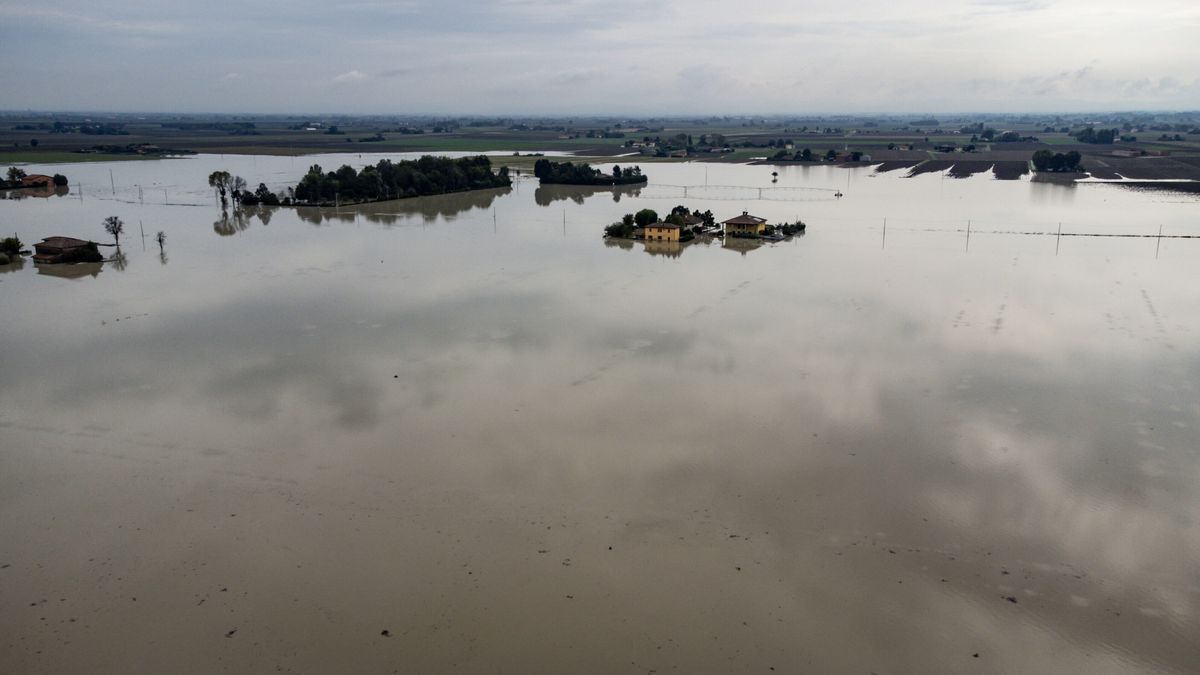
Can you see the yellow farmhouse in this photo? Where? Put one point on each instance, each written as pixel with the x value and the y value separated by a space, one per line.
pixel 662 232
pixel 745 224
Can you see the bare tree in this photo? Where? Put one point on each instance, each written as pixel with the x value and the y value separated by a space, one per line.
pixel 161 238
pixel 237 186
pixel 116 227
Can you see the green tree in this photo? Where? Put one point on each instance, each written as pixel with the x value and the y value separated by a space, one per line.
pixel 1041 160
pixel 645 217
pixel 116 227
pixel 11 246
pixel 60 180
pixel 15 174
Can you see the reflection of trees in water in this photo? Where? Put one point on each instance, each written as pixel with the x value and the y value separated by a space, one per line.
pixel 16 264
pixel 615 242
pixel 545 195
pixel 232 224
pixel 162 257
pixel 263 213
pixel 396 211
pixel 119 261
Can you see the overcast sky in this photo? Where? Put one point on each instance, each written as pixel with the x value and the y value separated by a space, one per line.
pixel 673 57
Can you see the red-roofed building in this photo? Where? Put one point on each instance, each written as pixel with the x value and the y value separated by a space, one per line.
pixel 37 180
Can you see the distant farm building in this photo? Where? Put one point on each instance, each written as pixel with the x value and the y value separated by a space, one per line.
pixel 65 250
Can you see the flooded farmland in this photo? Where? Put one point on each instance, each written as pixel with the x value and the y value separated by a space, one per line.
pixel 466 434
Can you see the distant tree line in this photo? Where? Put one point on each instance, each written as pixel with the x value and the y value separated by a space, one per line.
pixel 1097 136
pixel 807 155
pixel 89 128
pixel 408 178
pixel 566 173
pixel 1045 160
pixel 232 128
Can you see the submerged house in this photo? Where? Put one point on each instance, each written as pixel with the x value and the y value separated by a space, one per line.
pixel 745 225
pixel 662 232
pixel 66 250
pixel 37 180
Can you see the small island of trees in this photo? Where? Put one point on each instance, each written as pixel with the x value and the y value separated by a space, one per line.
pixel 566 173
pixel 1058 162
pixel 395 180
pixel 690 222
pixel 386 180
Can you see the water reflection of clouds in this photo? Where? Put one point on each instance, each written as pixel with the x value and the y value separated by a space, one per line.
pixel 1003 410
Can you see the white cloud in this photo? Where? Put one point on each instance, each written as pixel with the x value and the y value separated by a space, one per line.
pixel 602 56
pixel 351 76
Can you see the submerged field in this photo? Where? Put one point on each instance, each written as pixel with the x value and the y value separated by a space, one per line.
pixel 463 434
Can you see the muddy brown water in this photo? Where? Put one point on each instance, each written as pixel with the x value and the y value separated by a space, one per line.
pixel 463 434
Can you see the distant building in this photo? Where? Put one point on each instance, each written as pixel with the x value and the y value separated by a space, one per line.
pixel 662 232
pixel 65 250
pixel 690 221
pixel 37 180
pixel 745 224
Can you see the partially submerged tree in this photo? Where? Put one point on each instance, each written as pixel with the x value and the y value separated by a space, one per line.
pixel 161 238
pixel 237 186
pixel 15 174
pixel 116 227
pixel 10 245
pixel 220 181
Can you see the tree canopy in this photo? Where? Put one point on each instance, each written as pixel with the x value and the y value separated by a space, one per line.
pixel 1097 136
pixel 1045 160
pixel 566 173
pixel 407 178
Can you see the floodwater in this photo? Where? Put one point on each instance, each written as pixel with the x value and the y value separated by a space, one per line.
pixel 465 434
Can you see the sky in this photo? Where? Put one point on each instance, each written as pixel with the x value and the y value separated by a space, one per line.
pixel 604 57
